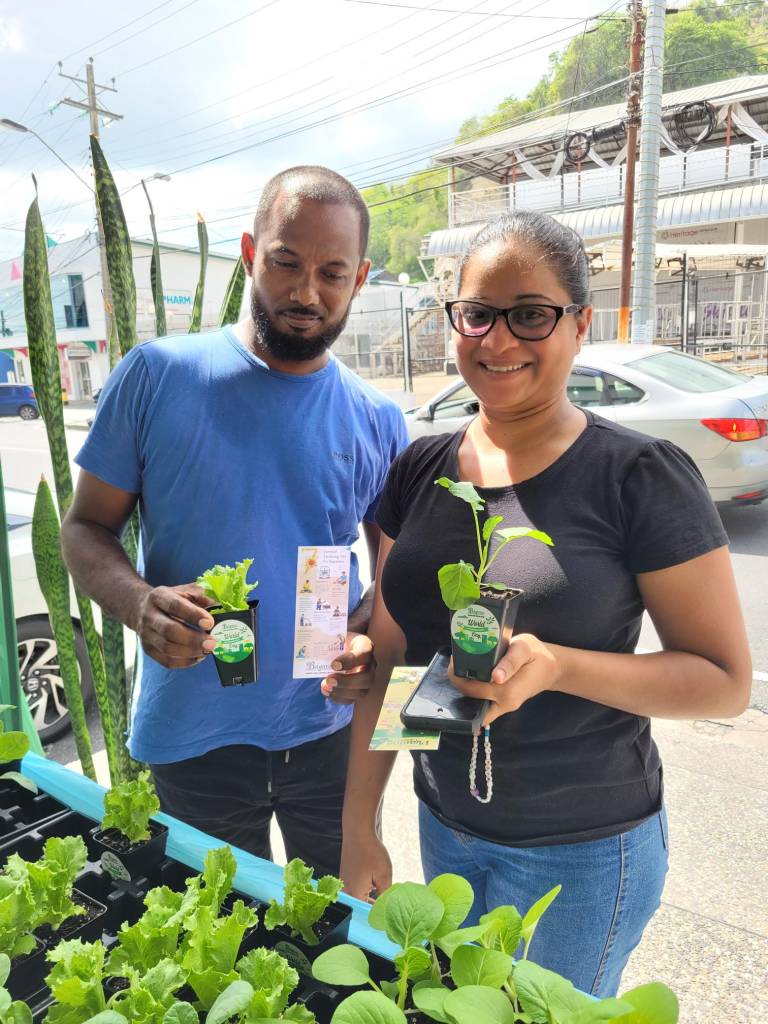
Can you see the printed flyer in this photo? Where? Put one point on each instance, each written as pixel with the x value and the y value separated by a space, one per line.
pixel 390 733
pixel 322 601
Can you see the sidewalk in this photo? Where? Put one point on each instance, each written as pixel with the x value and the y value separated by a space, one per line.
pixel 77 414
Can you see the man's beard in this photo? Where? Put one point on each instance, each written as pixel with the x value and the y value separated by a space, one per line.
pixel 293 348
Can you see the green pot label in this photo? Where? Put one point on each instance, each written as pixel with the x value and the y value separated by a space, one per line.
pixel 234 640
pixel 115 867
pixel 475 629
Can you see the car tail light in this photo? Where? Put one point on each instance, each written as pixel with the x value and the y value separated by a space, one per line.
pixel 738 429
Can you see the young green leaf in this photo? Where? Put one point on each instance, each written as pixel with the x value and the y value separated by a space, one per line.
pixel 653 1004
pixel 475 965
pixel 226 585
pixel 490 525
pixel 368 1008
pixel 458 585
pixel 535 913
pixel 75 980
pixel 542 992
pixel 342 965
pixel 603 1012
pixel 504 929
pixel 450 942
pixel 413 964
pixel 272 979
pixel 128 807
pixel 457 898
pixel 109 1017
pixel 181 1013
pixel 20 780
pixel 233 1001
pixel 463 490
pixel 429 997
pixel 13 745
pixel 517 532
pixel 412 914
pixel 474 1003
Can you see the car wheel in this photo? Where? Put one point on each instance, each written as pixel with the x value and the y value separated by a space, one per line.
pixel 41 679
pixel 28 412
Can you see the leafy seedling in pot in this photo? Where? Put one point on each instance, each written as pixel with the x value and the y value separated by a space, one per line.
pixel 304 902
pixel 460 582
pixel 226 585
pixel 128 807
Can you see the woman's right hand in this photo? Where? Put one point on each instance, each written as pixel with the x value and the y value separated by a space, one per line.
pixel 365 866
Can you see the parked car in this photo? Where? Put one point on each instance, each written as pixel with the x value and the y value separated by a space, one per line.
pixel 719 417
pixel 18 400
pixel 38 656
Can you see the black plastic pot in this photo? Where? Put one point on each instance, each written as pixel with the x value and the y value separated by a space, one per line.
pixel 126 861
pixel 332 930
pixel 88 926
pixel 319 998
pixel 28 973
pixel 237 653
pixel 480 634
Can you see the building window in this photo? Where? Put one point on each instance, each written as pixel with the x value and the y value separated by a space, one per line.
pixel 68 297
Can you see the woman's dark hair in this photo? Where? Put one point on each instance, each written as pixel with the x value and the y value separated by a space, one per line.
pixel 561 247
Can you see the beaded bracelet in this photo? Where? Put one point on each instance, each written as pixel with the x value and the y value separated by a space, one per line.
pixel 488 767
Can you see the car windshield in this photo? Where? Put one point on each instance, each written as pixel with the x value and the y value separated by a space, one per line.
pixel 688 373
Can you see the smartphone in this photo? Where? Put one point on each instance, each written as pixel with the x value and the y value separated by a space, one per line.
pixel 437 704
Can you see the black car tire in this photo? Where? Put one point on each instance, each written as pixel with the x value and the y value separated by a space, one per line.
pixel 28 412
pixel 43 686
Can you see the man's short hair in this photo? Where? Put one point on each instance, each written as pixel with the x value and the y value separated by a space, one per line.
pixel 316 183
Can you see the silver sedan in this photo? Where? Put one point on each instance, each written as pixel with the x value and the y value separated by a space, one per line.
pixel 718 416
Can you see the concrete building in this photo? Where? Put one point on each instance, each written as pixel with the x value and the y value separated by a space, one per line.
pixel 79 309
pixel 713 193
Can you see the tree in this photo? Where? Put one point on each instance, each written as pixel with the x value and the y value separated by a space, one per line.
pixel 400 217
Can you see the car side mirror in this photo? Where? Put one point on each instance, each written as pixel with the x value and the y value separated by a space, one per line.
pixel 424 413
pixel 472 408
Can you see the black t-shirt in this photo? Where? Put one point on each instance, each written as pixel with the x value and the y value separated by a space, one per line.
pixel 616 503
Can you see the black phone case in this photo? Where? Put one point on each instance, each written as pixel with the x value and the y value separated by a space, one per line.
pixel 437 704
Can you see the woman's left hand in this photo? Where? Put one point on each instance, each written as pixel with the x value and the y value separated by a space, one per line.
pixel 529 667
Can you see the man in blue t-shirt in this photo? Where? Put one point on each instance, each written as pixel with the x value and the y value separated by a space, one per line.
pixel 247 442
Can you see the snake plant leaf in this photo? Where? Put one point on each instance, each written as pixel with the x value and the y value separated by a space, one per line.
pixel 233 300
pixel 46 377
pixel 197 307
pixel 117 245
pixel 155 275
pixel 54 584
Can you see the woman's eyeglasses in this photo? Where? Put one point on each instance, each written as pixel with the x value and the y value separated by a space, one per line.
pixel 527 323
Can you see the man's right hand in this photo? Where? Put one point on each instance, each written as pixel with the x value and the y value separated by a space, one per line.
pixel 172 623
pixel 366 869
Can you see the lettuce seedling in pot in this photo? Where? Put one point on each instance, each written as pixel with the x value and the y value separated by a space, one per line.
pixel 129 843
pixel 235 622
pixel 483 612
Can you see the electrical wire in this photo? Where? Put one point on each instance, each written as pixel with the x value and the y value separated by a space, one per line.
pixel 205 35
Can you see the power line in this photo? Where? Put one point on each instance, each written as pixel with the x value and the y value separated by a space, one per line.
pixel 206 35
pixel 89 46
pixel 146 28
pixel 489 14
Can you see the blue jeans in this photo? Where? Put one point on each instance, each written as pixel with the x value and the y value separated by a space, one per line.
pixel 611 889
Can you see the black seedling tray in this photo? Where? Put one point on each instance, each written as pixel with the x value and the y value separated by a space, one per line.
pixel 27 812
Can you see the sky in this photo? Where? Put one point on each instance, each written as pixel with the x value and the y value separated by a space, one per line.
pixel 222 95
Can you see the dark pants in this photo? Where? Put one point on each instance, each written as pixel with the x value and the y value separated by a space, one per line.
pixel 232 792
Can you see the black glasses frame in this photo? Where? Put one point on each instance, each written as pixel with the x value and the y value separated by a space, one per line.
pixel 559 311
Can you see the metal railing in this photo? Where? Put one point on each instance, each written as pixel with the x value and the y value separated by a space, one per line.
pixel 604 186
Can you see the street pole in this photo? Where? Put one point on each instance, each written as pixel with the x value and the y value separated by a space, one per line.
pixel 633 121
pixel 404 280
pixel 643 300
pixel 94 111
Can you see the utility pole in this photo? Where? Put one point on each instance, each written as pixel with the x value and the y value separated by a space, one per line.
pixel 643 299
pixel 95 111
pixel 633 123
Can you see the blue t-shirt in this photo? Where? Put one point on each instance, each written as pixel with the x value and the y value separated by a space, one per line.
pixel 233 460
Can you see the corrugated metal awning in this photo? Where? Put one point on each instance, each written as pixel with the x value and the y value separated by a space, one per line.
pixel 603 222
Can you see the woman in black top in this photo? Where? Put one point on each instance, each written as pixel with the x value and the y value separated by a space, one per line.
pixel 575 779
